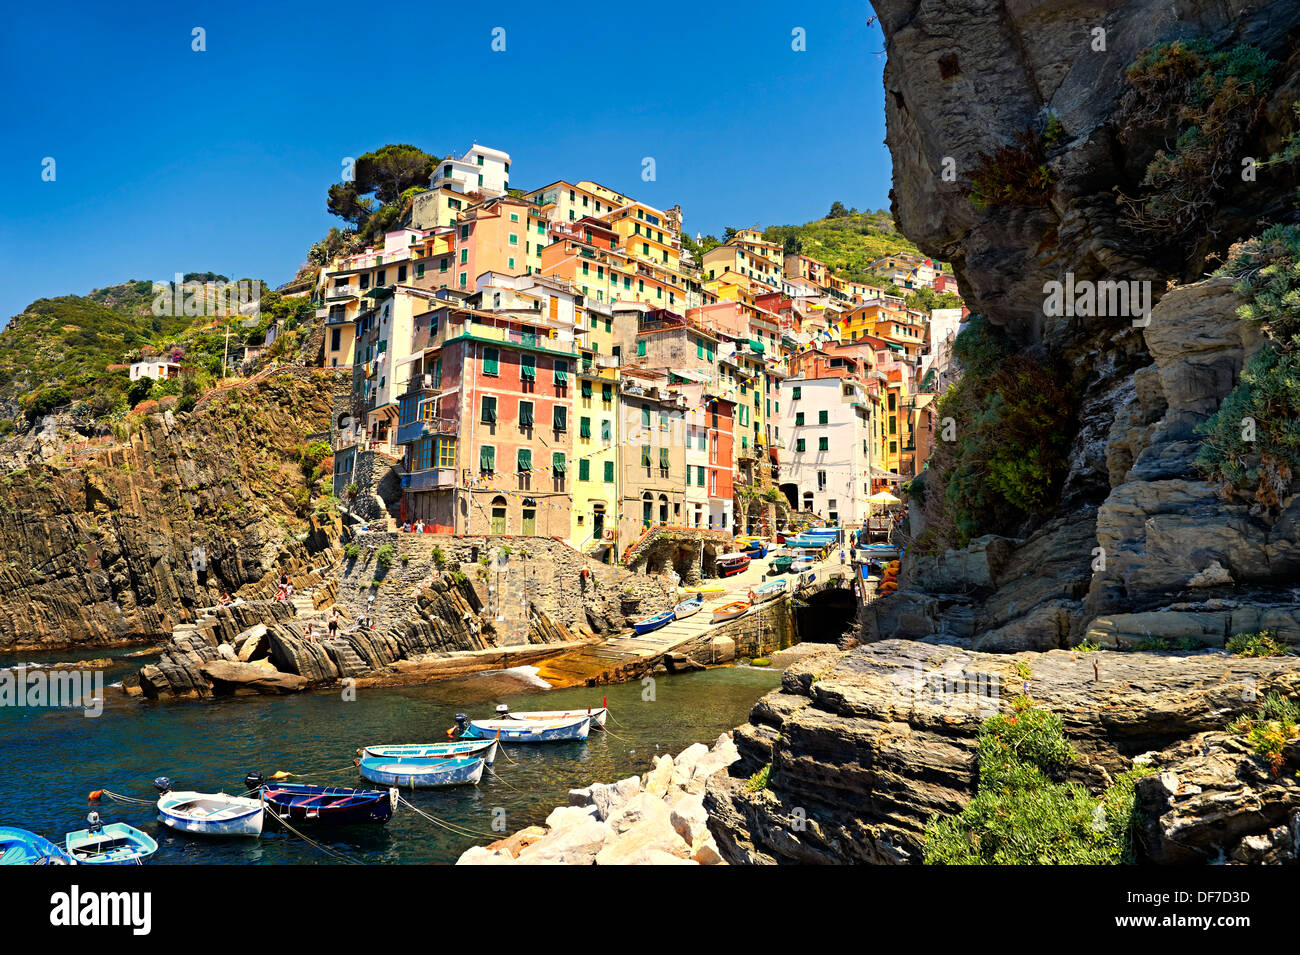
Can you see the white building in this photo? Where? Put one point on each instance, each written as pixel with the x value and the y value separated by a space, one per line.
pixel 160 368
pixel 826 466
pixel 481 170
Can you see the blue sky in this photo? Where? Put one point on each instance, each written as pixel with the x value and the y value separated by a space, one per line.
pixel 169 160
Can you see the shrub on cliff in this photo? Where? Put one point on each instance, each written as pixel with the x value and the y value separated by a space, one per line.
pixel 1020 816
pixel 384 556
pixel 1015 174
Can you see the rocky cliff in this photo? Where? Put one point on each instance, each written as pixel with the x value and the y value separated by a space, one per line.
pixel 123 542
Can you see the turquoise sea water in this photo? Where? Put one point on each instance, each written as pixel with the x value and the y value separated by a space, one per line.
pixel 51 759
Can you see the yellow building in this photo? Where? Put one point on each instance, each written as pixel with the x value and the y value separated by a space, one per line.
pixel 597 441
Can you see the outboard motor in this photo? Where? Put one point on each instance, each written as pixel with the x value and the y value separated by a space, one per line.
pixel 94 822
pixel 462 724
pixel 162 784
pixel 253 780
pixel 503 711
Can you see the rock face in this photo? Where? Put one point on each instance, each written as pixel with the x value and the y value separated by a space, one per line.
pixel 656 819
pixel 127 543
pixel 862 749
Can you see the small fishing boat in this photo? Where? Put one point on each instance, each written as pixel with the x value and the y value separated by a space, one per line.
pixel 801 563
pixel 524 731
pixel 809 577
pixel 753 546
pixel 208 814
pixel 598 715
pixel 768 591
pixel 423 773
pixel 112 844
pixel 688 607
pixel 730 611
pixel 20 847
pixel 652 622
pixel 483 749
pixel 729 565
pixel 780 563
pixel 327 805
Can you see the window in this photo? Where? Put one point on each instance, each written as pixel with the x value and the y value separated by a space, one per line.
pixel 798 393
pixel 584 469
pixel 663 459
pixel 491 361
pixel 527 368
pixel 586 389
pixel 645 416
pixel 798 418
pixel 401 273
pixel 464 256
pixel 799 444
pixel 645 455
pixel 699 475
pixel 560 418
pixel 640 348
pixel 609 472
pixel 446 452
pixel 821 480
pixel 584 427
pixel 558 464
pixel 606 432
pixel 561 372
pixel 489 410
pixel 525 414
pixel 823 417
pixel 419 271
pixel 487 456
pixel 524 460
pixel 823 444
pixel 607 393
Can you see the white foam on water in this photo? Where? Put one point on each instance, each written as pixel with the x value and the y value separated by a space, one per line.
pixel 527 674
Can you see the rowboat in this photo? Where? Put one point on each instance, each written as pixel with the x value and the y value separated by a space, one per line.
pixel 423 773
pixel 730 611
pixel 801 563
pixel 524 731
pixel 688 607
pixel 598 715
pixel 327 805
pixel 731 564
pixel 781 563
pixel 211 814
pixel 20 847
pixel 768 591
pixel 112 844
pixel 753 546
pixel 652 622
pixel 483 749
pixel 808 578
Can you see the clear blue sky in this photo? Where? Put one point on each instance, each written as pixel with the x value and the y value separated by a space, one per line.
pixel 168 160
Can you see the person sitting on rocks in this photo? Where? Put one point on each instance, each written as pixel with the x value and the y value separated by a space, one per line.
pixel 308 634
pixel 225 599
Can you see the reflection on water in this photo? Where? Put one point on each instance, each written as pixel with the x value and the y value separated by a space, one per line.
pixel 50 760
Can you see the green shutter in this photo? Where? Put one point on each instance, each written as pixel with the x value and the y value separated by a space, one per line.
pixel 525 414
pixel 799 444
pixel 606 432
pixel 609 472
pixel 489 409
pixel 823 444
pixel 557 462
pixel 524 462
pixel 823 417
pixel 487 457
pixel 798 418
pixel 561 372
pixel 584 428
pixel 586 389
pixel 663 459
pixel 560 418
pixel 645 455
pixel 645 416
pixel 699 476
pixel 527 368
pixel 798 393
pixel 640 348
pixel 491 361
pixel 606 392
pixel 584 469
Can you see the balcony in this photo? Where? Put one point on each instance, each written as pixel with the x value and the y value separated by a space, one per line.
pixel 341 292
pixel 425 428
pixel 430 480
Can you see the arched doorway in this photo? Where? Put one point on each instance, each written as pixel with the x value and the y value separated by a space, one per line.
pixel 647 508
pixel 791 493
pixel 663 508
pixel 498 515
pixel 598 520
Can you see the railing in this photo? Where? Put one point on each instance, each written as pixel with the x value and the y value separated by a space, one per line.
pixel 430 479
pixel 342 291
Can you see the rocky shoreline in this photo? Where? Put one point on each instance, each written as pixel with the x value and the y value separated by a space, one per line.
pixel 657 818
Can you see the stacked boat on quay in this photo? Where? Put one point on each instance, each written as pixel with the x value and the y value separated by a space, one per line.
pixel 456 762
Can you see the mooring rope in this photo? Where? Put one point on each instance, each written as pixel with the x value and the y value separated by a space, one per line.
pixel 333 853
pixel 459 830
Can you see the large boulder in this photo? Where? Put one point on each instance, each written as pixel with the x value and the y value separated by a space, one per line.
pixel 228 678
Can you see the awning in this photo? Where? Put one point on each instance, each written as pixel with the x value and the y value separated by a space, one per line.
pixel 756 347
pixel 880 475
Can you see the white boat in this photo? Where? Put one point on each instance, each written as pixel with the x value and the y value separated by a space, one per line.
pixel 597 714
pixel 211 814
pixel 524 731
pixel 768 591
pixel 800 564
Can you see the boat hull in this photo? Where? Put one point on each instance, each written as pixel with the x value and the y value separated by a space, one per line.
pixel 687 608
pixel 484 749
pixel 114 844
pixel 528 731
pixel 729 612
pixel 328 805
pixel 423 773
pixel 650 624
pixel 598 716
pixel 206 814
pixel 767 592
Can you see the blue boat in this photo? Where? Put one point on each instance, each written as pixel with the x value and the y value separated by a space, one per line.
pixel 768 591
pixel 653 622
pixel 484 749
pixel 524 731
pixel 423 773
pixel 755 548
pixel 112 844
pixel 327 805
pixel 20 847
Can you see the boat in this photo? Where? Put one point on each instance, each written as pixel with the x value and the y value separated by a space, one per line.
pixel 112 844
pixel 808 579
pixel 780 563
pixel 730 611
pixel 327 805
pixel 423 773
pixel 704 590
pixel 768 591
pixel 598 715
pixel 209 814
pixel 830 533
pixel 484 749
pixel 688 607
pixel 801 563
pixel 20 847
pixel 652 622
pixel 730 564
pixel 524 731
pixel 753 546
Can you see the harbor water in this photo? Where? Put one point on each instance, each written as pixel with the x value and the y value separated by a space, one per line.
pixel 51 759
